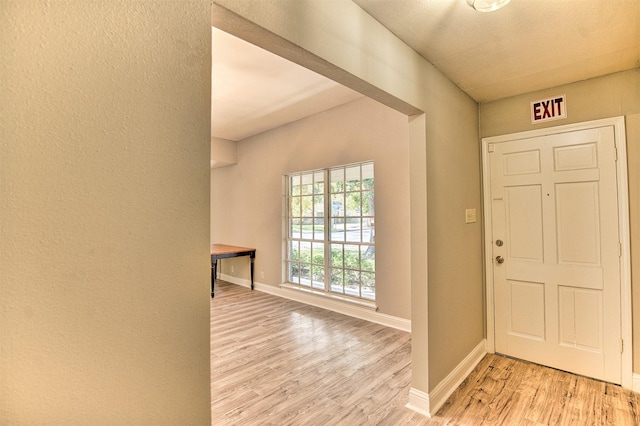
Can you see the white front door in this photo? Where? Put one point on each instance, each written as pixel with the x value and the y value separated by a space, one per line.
pixel 555 250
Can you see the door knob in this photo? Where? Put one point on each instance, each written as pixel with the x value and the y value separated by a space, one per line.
pixel 499 259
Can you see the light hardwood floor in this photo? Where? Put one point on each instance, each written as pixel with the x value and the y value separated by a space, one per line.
pixel 279 362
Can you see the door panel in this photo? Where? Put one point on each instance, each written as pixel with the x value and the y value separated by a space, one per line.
pixel 523 206
pixel 526 309
pixel 578 223
pixel 557 294
pixel 575 157
pixel 521 163
pixel 580 314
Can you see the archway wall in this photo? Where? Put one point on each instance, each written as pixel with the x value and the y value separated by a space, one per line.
pixel 341 41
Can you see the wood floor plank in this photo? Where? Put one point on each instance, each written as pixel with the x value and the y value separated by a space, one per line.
pixel 280 362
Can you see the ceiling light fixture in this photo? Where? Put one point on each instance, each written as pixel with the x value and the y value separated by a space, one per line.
pixel 487 5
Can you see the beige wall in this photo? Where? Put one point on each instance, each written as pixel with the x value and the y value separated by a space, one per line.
pixel 339 40
pixel 248 197
pixel 104 212
pixel 223 152
pixel 610 96
pixel 456 313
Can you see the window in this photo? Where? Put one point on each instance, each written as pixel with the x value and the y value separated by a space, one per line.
pixel 331 230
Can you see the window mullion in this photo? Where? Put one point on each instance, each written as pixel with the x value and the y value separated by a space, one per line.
pixel 327 231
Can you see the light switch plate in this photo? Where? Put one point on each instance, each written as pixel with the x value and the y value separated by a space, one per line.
pixel 470 215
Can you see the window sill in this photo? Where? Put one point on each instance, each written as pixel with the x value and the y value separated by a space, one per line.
pixel 330 296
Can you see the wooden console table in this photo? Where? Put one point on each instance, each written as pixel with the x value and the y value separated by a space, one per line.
pixel 222 251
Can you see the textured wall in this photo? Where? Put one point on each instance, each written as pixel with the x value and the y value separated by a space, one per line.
pixel 104 203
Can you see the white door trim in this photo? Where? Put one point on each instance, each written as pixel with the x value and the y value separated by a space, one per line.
pixel 624 233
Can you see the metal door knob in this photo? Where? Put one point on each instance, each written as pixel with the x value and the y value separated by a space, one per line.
pixel 499 259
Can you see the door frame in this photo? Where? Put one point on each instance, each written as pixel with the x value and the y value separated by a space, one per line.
pixel 623 231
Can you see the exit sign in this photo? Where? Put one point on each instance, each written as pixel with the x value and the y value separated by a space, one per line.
pixel 554 108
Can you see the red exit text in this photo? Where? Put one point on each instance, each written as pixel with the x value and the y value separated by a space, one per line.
pixel 553 108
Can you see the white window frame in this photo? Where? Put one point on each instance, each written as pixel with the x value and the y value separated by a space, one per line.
pixel 343 207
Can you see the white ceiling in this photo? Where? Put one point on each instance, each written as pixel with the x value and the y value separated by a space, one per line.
pixel 527 46
pixel 254 90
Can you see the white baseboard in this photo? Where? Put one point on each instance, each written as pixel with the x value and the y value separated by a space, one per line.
pixel 636 382
pixel 445 388
pixel 429 404
pixel 419 402
pixel 339 306
pixel 236 280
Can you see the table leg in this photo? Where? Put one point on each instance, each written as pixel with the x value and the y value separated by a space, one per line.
pixel 253 258
pixel 214 267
